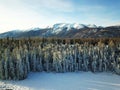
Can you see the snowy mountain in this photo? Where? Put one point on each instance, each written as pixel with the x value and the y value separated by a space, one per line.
pixel 66 27
pixel 91 26
pixel 66 30
pixel 10 33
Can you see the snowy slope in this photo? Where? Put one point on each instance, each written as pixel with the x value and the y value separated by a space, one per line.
pixel 32 29
pixel 54 29
pixel 91 26
pixel 65 81
pixel 66 30
pixel 78 26
pixel 10 33
pixel 66 27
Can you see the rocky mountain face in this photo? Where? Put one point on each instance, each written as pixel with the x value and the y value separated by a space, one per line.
pixel 63 30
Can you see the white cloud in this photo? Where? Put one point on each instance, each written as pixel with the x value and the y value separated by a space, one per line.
pixel 90 8
pixel 13 19
pixel 23 14
pixel 55 5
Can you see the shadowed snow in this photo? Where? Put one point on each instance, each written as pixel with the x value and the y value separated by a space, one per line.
pixel 65 81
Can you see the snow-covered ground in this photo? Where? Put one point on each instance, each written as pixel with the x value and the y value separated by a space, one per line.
pixel 65 81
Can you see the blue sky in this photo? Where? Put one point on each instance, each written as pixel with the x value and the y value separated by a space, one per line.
pixel 25 14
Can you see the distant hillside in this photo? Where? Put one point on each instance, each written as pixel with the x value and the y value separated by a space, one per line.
pixel 62 30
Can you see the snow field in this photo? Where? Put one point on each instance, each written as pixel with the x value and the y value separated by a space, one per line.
pixel 65 81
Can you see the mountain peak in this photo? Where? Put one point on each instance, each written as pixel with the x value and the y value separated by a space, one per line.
pixel 69 30
pixel 91 26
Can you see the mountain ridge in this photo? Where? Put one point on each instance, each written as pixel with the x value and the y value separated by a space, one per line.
pixel 66 30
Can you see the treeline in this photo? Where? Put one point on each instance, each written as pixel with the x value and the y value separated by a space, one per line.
pixel 18 57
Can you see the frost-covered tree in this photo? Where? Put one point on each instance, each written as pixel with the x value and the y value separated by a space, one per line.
pixel 18 57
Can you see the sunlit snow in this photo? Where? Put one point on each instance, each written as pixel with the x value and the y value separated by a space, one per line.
pixel 65 81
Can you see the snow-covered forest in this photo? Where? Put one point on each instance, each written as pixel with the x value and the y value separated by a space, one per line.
pixel 18 57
